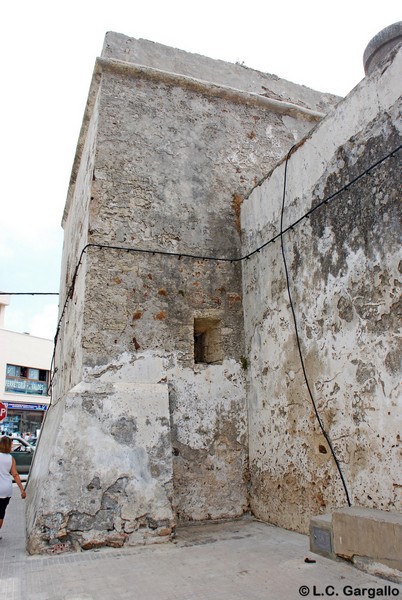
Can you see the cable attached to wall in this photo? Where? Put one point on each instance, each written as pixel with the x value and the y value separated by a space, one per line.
pixel 325 434
pixel 215 258
pixel 29 293
pixel 181 255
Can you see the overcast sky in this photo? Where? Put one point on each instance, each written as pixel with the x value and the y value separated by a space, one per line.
pixel 48 50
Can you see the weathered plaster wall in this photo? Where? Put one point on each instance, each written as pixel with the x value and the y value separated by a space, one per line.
pixel 172 167
pixel 210 442
pixel 345 279
pixel 171 161
pixel 68 367
pixel 75 224
pixel 111 469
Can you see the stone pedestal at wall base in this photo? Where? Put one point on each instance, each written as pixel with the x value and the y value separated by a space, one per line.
pixel 109 480
pixel 366 532
pixel 370 538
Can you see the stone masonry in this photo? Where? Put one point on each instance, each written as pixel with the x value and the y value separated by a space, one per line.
pixel 177 391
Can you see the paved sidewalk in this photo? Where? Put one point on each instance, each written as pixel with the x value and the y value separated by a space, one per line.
pixel 239 560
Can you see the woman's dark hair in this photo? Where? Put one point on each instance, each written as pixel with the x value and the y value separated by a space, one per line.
pixel 6 444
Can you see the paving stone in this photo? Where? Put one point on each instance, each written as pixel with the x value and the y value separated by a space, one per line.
pixel 236 560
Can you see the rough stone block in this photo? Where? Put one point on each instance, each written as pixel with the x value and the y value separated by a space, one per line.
pixel 370 533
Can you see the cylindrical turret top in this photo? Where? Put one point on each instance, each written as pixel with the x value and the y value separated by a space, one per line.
pixel 380 45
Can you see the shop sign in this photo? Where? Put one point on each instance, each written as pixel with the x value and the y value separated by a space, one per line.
pixel 26 406
pixel 24 386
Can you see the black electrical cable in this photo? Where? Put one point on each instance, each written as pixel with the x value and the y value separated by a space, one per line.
pixel 68 297
pixel 217 258
pixel 29 293
pixel 325 434
pixel 202 257
pixel 223 259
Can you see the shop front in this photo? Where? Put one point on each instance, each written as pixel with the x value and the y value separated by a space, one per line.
pixel 23 419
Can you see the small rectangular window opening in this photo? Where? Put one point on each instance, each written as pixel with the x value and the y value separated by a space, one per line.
pixel 207 341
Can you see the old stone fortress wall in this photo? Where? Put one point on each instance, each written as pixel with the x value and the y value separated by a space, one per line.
pixel 229 339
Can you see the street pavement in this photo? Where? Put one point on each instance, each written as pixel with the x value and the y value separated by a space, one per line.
pixel 237 560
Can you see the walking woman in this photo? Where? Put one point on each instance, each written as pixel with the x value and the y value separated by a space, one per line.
pixel 8 472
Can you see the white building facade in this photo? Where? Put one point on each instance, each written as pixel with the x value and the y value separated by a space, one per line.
pixel 24 378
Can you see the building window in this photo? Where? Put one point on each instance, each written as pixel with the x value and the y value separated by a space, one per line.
pixel 26 380
pixel 207 341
